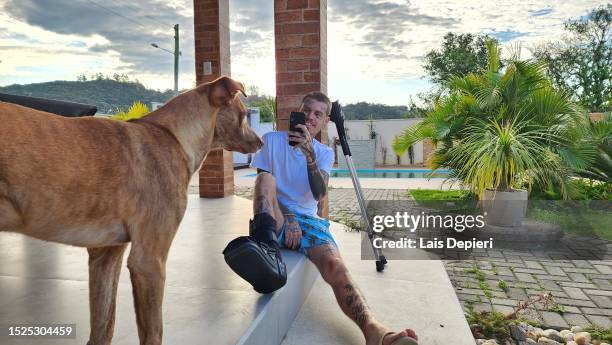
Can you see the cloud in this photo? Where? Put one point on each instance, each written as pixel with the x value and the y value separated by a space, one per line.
pixel 252 43
pixel 507 35
pixel 384 25
pixel 370 42
pixel 542 12
pixel 126 28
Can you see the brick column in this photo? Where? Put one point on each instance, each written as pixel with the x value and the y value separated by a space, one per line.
pixel 300 32
pixel 212 48
pixel 300 37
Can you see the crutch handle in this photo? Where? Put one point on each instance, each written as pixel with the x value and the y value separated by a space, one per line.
pixel 337 117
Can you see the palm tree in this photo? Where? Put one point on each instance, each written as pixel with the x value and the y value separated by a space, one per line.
pixel 503 130
pixel 600 133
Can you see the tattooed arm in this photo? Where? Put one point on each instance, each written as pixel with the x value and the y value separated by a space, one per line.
pixel 318 181
pixel 293 231
pixel 316 178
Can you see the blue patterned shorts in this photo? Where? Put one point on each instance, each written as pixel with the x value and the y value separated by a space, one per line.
pixel 315 233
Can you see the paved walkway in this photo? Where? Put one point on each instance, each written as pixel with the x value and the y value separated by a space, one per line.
pixel 582 290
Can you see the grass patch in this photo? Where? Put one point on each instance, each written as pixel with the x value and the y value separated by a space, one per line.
pixel 599 221
pixel 601 334
pixel 557 308
pixel 434 194
pixel 502 284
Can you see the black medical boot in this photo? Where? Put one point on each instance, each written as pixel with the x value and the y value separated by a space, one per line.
pixel 257 258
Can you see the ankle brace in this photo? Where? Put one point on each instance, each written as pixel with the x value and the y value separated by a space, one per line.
pixel 263 228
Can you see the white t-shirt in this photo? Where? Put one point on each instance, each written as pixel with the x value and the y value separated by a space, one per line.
pixel 288 165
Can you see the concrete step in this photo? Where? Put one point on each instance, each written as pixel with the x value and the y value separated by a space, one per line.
pixel 275 317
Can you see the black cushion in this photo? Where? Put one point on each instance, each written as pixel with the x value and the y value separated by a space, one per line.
pixel 68 109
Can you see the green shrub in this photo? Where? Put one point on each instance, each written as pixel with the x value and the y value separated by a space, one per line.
pixel 503 129
pixel 584 190
pixel 601 334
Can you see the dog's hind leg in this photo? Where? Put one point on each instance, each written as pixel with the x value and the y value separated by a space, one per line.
pixel 104 269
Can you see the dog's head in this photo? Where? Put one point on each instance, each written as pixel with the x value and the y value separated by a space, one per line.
pixel 231 129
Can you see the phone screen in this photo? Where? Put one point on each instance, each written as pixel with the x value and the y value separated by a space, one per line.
pixel 296 118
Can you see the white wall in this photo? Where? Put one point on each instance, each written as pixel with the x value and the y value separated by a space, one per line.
pixel 386 130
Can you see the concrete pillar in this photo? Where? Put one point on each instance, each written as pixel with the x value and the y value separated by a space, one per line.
pixel 212 59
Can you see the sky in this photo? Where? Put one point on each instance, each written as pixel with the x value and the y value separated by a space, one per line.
pixel 375 47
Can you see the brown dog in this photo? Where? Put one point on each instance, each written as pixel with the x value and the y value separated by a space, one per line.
pixel 100 183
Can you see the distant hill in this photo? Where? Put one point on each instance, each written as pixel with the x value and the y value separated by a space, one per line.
pixel 111 95
pixel 106 94
pixel 363 110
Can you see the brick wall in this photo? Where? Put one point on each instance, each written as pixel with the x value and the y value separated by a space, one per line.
pixel 211 34
pixel 300 28
pixel 217 175
pixel 300 38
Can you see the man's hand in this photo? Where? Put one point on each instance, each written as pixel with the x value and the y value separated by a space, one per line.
pixel 316 178
pixel 293 232
pixel 303 141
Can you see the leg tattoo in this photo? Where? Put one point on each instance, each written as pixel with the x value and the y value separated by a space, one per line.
pixel 356 304
pixel 262 205
pixel 330 249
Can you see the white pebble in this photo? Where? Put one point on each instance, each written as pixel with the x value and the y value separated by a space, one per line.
pixel 576 329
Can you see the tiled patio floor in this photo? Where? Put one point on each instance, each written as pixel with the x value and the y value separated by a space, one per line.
pixel 582 288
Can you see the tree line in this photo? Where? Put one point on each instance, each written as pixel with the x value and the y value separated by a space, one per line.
pixel 580 64
pixel 110 94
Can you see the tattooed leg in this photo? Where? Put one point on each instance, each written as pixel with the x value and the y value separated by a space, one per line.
pixel 264 200
pixel 350 299
pixel 334 272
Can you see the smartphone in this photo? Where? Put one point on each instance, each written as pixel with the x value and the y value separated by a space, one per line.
pixel 296 118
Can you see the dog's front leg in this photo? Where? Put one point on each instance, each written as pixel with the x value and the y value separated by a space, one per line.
pixel 148 273
pixel 104 269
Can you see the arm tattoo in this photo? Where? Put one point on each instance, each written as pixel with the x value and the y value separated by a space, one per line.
pixel 292 224
pixel 318 181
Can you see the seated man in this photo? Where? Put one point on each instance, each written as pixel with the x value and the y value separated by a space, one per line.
pixel 291 180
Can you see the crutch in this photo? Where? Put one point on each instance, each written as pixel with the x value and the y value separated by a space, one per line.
pixel 337 117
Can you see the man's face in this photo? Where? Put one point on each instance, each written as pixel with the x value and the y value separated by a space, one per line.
pixel 316 115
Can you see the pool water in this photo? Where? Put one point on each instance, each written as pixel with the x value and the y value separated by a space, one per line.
pixel 389 173
pixel 394 173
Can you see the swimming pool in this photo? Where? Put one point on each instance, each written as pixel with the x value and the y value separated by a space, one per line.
pixel 393 173
pixel 388 173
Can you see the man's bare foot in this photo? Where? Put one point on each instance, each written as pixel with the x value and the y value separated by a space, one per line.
pixel 389 339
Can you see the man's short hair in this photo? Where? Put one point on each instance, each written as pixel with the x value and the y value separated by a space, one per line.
pixel 318 96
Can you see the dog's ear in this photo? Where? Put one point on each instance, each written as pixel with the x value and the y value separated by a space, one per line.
pixel 222 90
